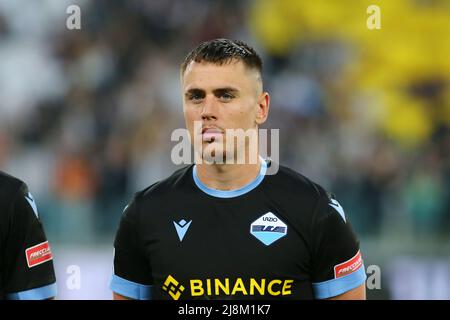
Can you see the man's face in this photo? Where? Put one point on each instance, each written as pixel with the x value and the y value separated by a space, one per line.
pixel 221 97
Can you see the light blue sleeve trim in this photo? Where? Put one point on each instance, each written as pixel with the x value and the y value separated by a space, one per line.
pixel 130 289
pixel 232 193
pixel 335 287
pixel 40 293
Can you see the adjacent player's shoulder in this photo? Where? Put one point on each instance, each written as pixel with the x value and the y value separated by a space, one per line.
pixel 9 183
pixel 10 188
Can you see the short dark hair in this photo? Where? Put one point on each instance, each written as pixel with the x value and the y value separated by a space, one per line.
pixel 221 51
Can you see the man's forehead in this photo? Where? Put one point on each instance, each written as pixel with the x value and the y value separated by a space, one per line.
pixel 206 73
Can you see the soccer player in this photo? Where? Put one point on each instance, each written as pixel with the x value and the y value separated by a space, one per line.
pixel 26 266
pixel 228 230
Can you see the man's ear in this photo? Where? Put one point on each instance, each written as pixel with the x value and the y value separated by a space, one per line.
pixel 262 111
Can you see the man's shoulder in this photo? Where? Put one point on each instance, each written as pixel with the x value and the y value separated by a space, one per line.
pixel 176 181
pixel 290 181
pixel 301 199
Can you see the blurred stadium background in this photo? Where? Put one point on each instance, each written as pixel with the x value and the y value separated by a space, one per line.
pixel 86 117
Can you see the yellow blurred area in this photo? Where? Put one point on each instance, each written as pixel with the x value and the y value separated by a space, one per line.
pixel 406 119
pixel 412 46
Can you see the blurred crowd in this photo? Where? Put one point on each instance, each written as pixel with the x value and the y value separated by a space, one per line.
pixel 86 115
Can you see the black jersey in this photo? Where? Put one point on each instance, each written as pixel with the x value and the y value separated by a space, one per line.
pixel 280 237
pixel 26 266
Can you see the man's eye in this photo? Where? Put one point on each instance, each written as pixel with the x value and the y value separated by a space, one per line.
pixel 195 97
pixel 226 96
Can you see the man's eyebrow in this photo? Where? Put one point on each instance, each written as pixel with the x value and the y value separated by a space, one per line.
pixel 226 89
pixel 195 90
pixel 215 91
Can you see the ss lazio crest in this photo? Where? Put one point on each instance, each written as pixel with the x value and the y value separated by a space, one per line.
pixel 268 228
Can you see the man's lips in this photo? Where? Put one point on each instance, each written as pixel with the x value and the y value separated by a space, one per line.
pixel 211 134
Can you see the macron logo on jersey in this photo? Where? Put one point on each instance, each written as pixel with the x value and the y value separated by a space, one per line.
pixel 268 228
pixel 336 206
pixel 182 227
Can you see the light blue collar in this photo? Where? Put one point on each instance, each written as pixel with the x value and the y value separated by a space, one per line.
pixel 231 193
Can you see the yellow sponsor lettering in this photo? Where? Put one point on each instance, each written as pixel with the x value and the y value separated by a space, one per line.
pixel 208 287
pixel 287 285
pixel 270 285
pixel 259 286
pixel 220 286
pixel 197 288
pixel 239 286
pixel 252 286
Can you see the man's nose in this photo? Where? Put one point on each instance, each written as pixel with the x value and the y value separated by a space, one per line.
pixel 209 110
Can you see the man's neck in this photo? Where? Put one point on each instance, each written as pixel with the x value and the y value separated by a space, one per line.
pixel 227 176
